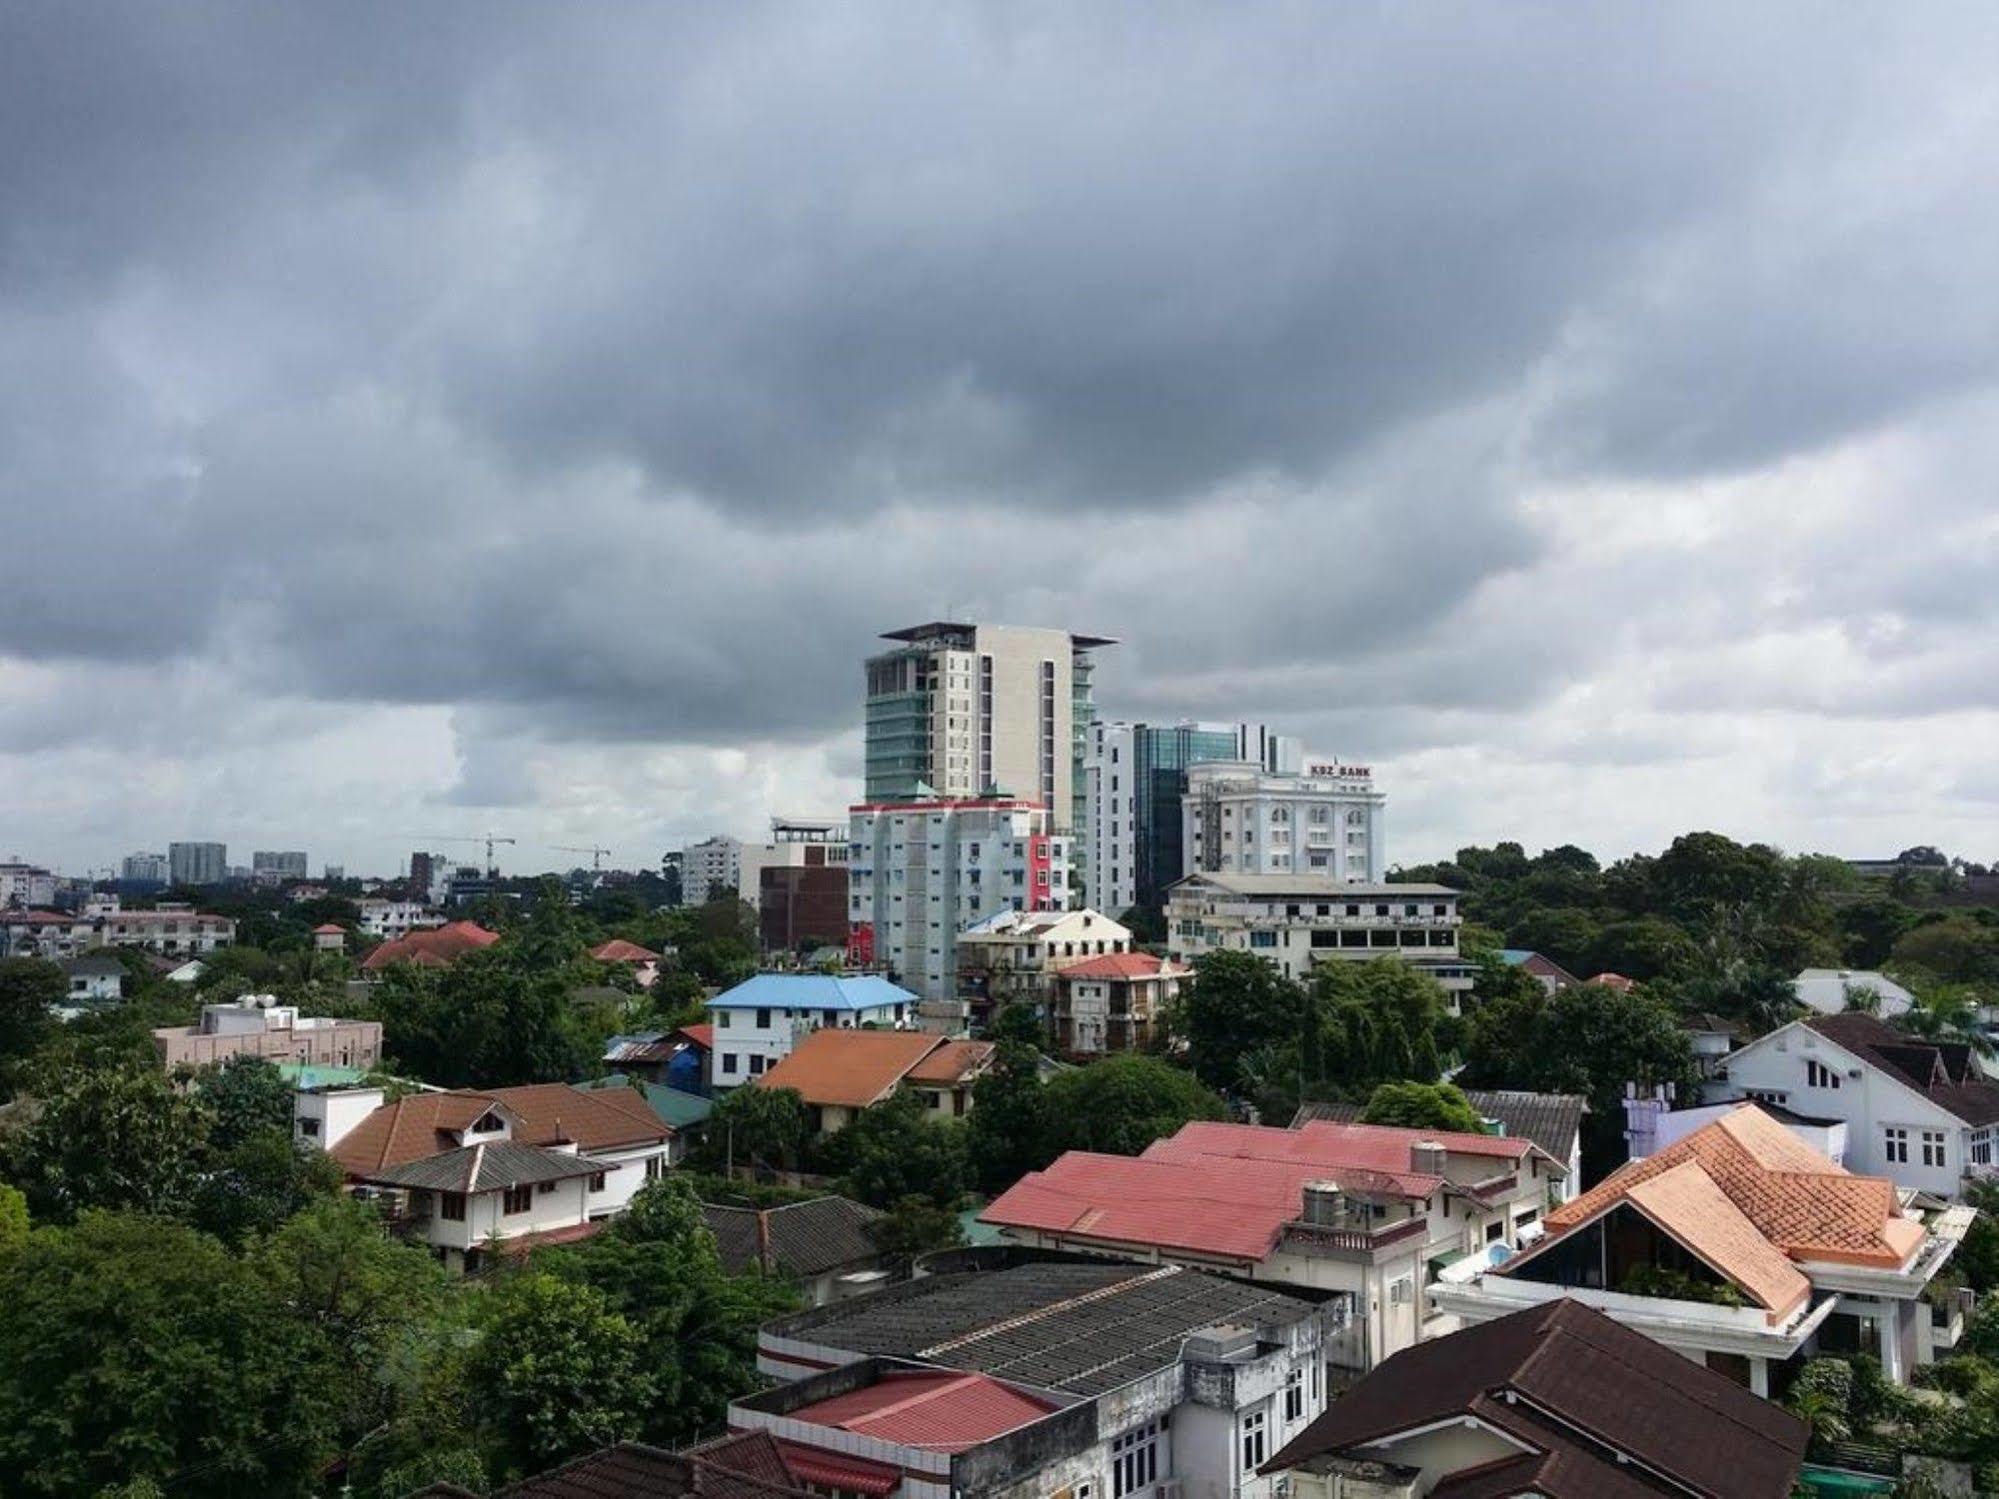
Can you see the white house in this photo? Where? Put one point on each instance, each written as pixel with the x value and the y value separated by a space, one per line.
pixel 758 1021
pixel 1832 990
pixel 94 978
pixel 1015 955
pixel 1918 1112
pixel 386 920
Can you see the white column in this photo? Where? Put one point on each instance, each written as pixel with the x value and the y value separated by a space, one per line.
pixel 1890 1323
pixel 1759 1377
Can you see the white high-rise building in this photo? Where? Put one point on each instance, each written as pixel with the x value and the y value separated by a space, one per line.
pixel 1239 818
pixel 723 863
pixel 197 863
pixel 275 867
pixel 710 868
pixel 919 873
pixel 144 868
pixel 24 884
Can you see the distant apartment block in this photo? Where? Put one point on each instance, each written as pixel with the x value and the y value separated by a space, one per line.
pixel 171 930
pixel 385 920
pixel 197 863
pixel 144 869
pixel 1297 921
pixel 724 864
pixel 23 884
pixel 45 934
pixel 1240 818
pixel 268 867
pixel 919 873
pixel 257 1026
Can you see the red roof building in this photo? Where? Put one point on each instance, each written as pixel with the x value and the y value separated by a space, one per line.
pixel 1114 1002
pixel 618 950
pixel 437 947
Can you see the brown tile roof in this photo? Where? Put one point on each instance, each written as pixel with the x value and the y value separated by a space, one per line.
pixel 1582 1384
pixel 1944 1072
pixel 1125 965
pixel 434 947
pixel 618 950
pixel 1804 1205
pixel 424 1124
pixel 633 1470
pixel 849 1068
pixel 952 1063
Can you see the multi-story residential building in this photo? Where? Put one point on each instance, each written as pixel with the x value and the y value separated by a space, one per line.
pixel 1298 920
pixel 958 711
pixel 277 867
pixel 1048 1378
pixel 1921 1113
pixel 1137 774
pixel 919 873
pixel 143 869
pixel 803 905
pixel 712 868
pixel 197 863
pixel 1114 1003
pixel 25 885
pixel 758 1022
pixel 467 1168
pixel 1555 1401
pixel 1239 818
pixel 1015 955
pixel 1742 1248
pixel 52 935
pixel 172 930
pixel 258 1026
pixel 1553 1121
pixel 386 920
pixel 1360 1209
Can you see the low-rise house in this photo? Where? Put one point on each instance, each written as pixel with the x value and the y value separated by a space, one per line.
pixel 1711 1038
pixel 386 920
pixel 612 1131
pixel 433 947
pixel 1014 955
pixel 1831 991
pixel 258 1026
pixel 50 935
pixel 93 979
pixel 759 1021
pixel 1554 1401
pixel 1111 1380
pixel 824 1245
pixel 174 930
pixel 1652 1124
pixel 1553 1121
pixel 1921 1113
pixel 1741 1248
pixel 733 1467
pixel 677 1058
pixel 683 1113
pixel 839 1073
pixel 643 961
pixel 1364 1210
pixel 329 936
pixel 1544 970
pixel 1115 1003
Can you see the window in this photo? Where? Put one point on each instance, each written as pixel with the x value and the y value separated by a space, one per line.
pixel 1932 1147
pixel 1766 1095
pixel 1263 939
pixel 1818 1075
pixel 1254 1431
pixel 1981 1148
pixel 451 1206
pixel 729 1060
pixel 1294 1395
pixel 1135 1460
pixel 597 1181
pixel 655 1167
pixel 308 1126
pixel 517 1200
pixel 1895 1145
pixel 542 1189
pixel 757 1064
pixel 763 1020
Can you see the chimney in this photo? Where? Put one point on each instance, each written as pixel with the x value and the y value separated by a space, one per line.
pixel 1427 1157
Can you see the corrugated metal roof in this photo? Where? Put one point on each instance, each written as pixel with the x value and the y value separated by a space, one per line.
pixel 812 991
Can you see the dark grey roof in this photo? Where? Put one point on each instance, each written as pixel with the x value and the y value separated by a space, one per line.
pixel 92 965
pixel 1079 1327
pixel 487 1167
pixel 1549 1120
pixel 803 1238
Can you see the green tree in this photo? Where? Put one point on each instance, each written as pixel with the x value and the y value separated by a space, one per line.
pixel 135 1349
pixel 481 1023
pixel 14 1221
pixel 916 1225
pixel 895 1150
pixel 1567 936
pixel 1437 1106
pixel 245 1097
pixel 1946 1012
pixel 1703 872
pixel 1015 1021
pixel 1822 1396
pixel 1007 1132
pixel 1870 929
pixel 1122 1104
pixel 256 1185
pixel 1958 949
pixel 28 987
pixel 1235 1004
pixel 1643 948
pixel 559 1371
pixel 758 1127
pixel 113 1138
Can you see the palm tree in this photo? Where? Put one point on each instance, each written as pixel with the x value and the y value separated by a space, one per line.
pixel 1948 1013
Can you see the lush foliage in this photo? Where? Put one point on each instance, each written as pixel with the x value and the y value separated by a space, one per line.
pixel 1122 1104
pixel 1437 1106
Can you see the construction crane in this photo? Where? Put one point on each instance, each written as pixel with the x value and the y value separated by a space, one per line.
pixel 597 855
pixel 492 868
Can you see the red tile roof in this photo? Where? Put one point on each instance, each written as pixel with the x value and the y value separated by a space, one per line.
pixel 1125 965
pixel 434 947
pixel 953 1063
pixel 618 950
pixel 939 1412
pixel 702 1036
pixel 834 1470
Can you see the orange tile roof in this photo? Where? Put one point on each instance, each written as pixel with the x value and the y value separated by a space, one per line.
pixel 1686 1203
pixel 849 1068
pixel 618 950
pixel 432 947
pixel 1800 1202
pixel 424 1124
pixel 953 1063
pixel 1125 965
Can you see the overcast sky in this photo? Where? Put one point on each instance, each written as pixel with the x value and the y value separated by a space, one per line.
pixel 420 419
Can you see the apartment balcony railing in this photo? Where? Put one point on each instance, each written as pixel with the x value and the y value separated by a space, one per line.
pixel 1360 1239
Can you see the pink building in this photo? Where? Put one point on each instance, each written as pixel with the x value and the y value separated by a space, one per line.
pixel 256 1026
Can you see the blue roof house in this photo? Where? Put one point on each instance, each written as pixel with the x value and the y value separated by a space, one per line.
pixel 757 1022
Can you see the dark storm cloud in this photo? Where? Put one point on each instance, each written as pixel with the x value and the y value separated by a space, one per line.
pixel 619 373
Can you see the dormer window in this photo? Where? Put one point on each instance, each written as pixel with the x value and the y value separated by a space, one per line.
pixel 486 1124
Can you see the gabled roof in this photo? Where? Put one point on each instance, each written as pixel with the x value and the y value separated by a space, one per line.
pixel 634 1470
pixel 1797 1201
pixel 801 1238
pixel 1550 1120
pixel 849 1068
pixel 942 1411
pixel 423 1124
pixel 952 1064
pixel 1946 1073
pixel 329 929
pixel 1825 990
pixel 431 947
pixel 1538 963
pixel 1120 966
pixel 813 991
pixel 487 1167
pixel 1581 1391
pixel 618 950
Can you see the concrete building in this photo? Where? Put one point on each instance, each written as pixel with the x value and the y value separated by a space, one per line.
pixel 197 863
pixel 1114 1003
pixel 1832 991
pixel 1296 921
pixel 94 979
pixel 956 711
pixel 386 920
pixel 277 867
pixel 24 885
pixel 258 1026
pixel 1553 1121
pixel 143 869
pixel 1090 1379
pixel 1014 956
pixel 757 1023
pixel 172 930
pixel 1360 1209
pixel 1136 774
pixel 1240 818
pixel 919 873
pixel 52 935
pixel 712 868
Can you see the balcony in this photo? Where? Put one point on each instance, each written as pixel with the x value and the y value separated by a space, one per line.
pixel 1351 1240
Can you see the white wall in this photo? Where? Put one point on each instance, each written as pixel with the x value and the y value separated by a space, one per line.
pixel 336 1111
